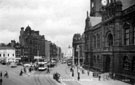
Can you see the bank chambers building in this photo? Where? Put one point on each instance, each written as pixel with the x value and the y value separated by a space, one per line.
pixel 110 44
pixel 32 44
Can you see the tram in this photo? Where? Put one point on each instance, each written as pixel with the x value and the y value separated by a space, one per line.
pixel 42 65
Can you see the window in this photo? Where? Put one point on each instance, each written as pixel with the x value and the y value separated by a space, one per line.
pixel 133 64
pixel 126 36
pixel 98 41
pixel 94 41
pixel 8 54
pixel 94 58
pixel 3 55
pixel 13 54
pixel 134 35
pixel 0 55
pixel 126 63
pixel 98 58
pixel 126 33
pixel 110 40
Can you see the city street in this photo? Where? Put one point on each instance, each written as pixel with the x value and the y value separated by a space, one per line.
pixel 43 78
pixel 34 78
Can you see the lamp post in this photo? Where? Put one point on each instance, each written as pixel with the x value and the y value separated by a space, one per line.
pixel 78 62
pixel 73 56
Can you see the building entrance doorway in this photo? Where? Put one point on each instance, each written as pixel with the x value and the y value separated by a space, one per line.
pixel 107 61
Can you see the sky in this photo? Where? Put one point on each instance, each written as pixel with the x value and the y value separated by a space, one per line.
pixel 58 20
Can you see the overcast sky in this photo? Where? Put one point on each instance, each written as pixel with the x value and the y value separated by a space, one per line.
pixel 58 20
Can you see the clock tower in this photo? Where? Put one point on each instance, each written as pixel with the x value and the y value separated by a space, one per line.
pixel 95 6
pixel 110 8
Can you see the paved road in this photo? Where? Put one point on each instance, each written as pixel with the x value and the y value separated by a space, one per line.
pixel 63 69
pixel 37 78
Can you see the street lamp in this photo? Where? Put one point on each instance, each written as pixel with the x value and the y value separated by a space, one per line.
pixel 73 56
pixel 78 50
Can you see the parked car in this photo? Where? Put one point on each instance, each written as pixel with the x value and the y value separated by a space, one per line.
pixel 69 63
pixel 56 76
pixel 63 62
pixel 27 65
pixel 13 65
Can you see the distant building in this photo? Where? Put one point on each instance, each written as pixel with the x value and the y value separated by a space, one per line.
pixel 78 48
pixel 53 51
pixel 7 54
pixel 69 52
pixel 17 48
pixel 47 49
pixel 32 44
pixel 59 53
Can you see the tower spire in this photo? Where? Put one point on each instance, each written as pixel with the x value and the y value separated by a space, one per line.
pixel 87 14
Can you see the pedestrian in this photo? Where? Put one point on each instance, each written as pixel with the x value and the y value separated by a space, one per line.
pixel 6 74
pixel 71 69
pixel 114 76
pixel 82 71
pixel 1 80
pixel 88 73
pixel 0 74
pixel 21 72
pixel 30 69
pixel 24 69
pixel 78 75
pixel 73 73
pixel 99 77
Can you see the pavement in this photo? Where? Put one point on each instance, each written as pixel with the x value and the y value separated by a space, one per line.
pixel 86 79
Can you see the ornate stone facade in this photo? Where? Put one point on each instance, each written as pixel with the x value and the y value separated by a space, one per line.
pixel 32 44
pixel 110 45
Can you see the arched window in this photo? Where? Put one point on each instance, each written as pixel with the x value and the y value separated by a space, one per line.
pixel 134 34
pixel 110 40
pixel 94 41
pixel 98 40
pixel 98 58
pixel 126 33
pixel 126 63
pixel 94 58
pixel 133 64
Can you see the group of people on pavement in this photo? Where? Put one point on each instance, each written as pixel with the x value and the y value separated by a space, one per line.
pixel 24 70
pixel 72 70
pixel 105 76
pixel 5 76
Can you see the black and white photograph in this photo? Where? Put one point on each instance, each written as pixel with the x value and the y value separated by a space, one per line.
pixel 67 42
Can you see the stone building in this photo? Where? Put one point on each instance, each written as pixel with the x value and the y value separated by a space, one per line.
pixel 53 51
pixel 32 44
pixel 7 54
pixel 17 48
pixel 110 44
pixel 47 49
pixel 78 49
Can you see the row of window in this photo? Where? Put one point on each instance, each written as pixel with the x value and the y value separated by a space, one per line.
pixel 129 34
pixel 128 64
pixel 129 37
pixel 5 55
pixel 96 58
pixel 97 42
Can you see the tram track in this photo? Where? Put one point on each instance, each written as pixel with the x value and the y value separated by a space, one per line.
pixel 37 79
